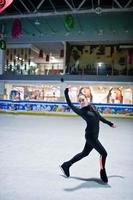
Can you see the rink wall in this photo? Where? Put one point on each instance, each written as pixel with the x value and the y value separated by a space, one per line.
pixel 61 108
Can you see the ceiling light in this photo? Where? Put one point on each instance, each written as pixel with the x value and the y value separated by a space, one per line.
pixel 67 33
pixel 37 22
pixel 114 31
pixel 126 31
pixel 100 32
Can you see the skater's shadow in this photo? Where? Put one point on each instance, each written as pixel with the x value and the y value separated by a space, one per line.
pixel 90 183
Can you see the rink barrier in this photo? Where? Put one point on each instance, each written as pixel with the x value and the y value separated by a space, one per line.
pixel 62 109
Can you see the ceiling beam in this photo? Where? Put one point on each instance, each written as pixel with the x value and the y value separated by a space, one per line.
pixel 69 4
pixel 92 3
pixel 52 5
pixel 81 4
pixel 74 7
pixel 98 3
pixel 119 5
pixel 32 4
pixel 48 14
pixel 128 3
pixel 25 6
pixel 17 9
pixel 39 5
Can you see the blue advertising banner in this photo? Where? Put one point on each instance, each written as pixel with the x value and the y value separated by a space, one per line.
pixel 61 108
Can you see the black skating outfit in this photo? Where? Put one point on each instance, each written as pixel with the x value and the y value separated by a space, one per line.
pixel 92 118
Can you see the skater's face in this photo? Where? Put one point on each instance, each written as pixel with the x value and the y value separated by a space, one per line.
pixel 83 101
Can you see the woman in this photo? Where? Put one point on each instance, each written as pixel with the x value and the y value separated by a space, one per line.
pixel 92 118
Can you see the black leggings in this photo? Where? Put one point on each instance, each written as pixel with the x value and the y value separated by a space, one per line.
pixel 87 149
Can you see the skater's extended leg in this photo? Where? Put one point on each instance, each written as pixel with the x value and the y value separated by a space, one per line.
pixel 66 165
pixel 103 154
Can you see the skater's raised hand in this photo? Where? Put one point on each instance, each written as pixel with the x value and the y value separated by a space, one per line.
pixel 66 90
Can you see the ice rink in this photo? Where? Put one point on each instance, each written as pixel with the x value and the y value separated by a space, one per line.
pixel 33 147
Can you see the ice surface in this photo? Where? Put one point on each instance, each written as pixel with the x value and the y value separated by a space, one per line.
pixel 33 147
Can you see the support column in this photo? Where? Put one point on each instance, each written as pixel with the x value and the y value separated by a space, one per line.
pixel 2 61
pixel 2 90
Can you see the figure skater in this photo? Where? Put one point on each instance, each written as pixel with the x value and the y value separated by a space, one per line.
pixel 92 118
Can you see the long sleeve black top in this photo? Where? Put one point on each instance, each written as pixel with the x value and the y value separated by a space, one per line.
pixel 90 115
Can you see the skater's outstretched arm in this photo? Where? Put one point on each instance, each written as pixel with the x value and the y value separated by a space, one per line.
pixel 74 108
pixel 102 119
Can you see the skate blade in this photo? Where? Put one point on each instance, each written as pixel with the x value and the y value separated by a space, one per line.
pixel 63 172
